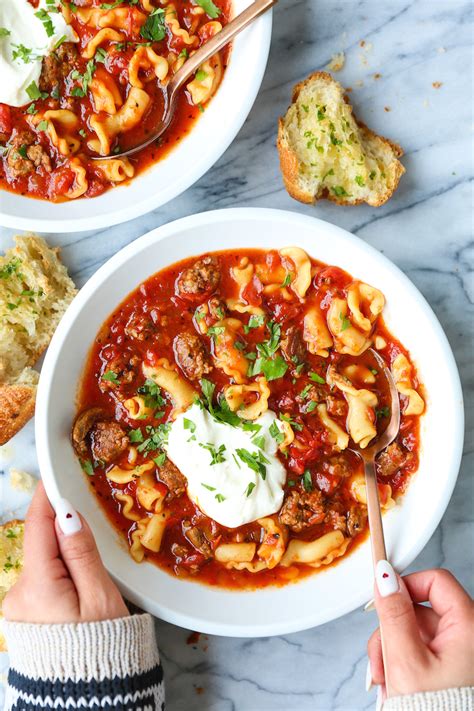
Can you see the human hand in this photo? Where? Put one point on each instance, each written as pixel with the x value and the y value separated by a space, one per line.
pixel 426 648
pixel 63 578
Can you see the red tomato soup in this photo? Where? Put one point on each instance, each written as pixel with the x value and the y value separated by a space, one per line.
pixel 242 333
pixel 104 94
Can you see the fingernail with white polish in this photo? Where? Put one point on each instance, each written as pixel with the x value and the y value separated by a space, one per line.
pixel 379 701
pixel 370 606
pixel 68 518
pixel 386 579
pixel 368 677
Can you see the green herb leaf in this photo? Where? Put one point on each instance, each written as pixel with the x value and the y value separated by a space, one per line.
pixel 254 460
pixel 311 406
pixel 154 28
pixel 249 489
pixel 4 32
pixel 43 125
pixel 255 321
pixel 34 93
pixel 46 20
pixel 287 280
pixel 209 8
pixel 340 191
pixel 275 432
pixel 206 486
pixel 316 378
pixel 287 418
pixel 360 181
pixel 86 464
pixel 100 55
pixel 11 533
pixel 136 435
pixel 201 75
pixel 307 481
pixel 189 424
pixel 345 322
pixel 160 459
pixel 31 109
pixel 383 412
pixel 219 498
pixel 111 377
pixel 217 455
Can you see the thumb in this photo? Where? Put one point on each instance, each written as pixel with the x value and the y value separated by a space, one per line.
pixel 402 643
pixel 81 557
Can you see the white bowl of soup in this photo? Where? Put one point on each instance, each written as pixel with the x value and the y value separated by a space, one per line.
pixel 102 94
pixel 218 366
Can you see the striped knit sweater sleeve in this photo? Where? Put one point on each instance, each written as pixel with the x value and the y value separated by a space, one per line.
pixel 111 665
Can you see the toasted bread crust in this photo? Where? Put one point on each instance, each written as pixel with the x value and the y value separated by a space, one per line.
pixel 17 406
pixel 289 161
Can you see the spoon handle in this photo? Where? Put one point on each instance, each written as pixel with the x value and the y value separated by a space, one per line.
pixel 218 41
pixel 377 541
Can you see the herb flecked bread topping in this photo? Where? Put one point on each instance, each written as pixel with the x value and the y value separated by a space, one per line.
pixel 35 291
pixel 326 153
pixel 11 561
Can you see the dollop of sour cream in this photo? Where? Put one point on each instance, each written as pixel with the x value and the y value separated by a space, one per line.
pixel 234 475
pixel 24 41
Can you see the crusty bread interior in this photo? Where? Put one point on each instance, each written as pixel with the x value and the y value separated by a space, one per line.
pixel 11 561
pixel 35 291
pixel 326 153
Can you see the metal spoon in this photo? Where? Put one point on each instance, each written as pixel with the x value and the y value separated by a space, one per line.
pixel 368 456
pixel 217 42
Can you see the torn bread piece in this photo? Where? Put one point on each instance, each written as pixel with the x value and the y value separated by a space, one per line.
pixel 22 481
pixel 35 291
pixel 11 561
pixel 326 153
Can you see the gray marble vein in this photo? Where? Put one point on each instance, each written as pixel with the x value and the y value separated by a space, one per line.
pixel 426 229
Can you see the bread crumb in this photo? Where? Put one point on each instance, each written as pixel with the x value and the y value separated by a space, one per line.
pixel 437 84
pixel 6 452
pixel 362 43
pixel 22 481
pixel 337 62
pixel 387 108
pixel 377 76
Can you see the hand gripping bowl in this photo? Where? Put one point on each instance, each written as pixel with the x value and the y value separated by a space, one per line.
pixel 331 592
pixel 180 168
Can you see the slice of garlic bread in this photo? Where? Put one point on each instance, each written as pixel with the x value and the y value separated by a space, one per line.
pixel 35 291
pixel 326 153
pixel 11 560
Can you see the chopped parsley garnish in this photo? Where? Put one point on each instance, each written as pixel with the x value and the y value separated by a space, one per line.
pixel 46 20
pixel 189 425
pixel 62 39
pixel 10 533
pixel 305 391
pixel 217 455
pixel 271 365
pixel 221 412
pixel 201 75
pixel 383 412
pixel 22 151
pixel 152 397
pixel 321 113
pixel 136 435
pixel 43 125
pixel 154 28
pixel 100 55
pixel 111 377
pixel 307 481
pixel 311 406
pixel 254 460
pixel 25 54
pixel 184 54
pixel 209 8
pixel 345 323
pixel 160 459
pixel 372 174
pixel 86 464
pixel 32 109
pixel 85 79
pixel 251 427
pixel 249 489
pixel 255 321
pixel 360 181
pixel 219 498
pixel 157 437
pixel 275 433
pixel 330 172
pixel 374 371
pixel 209 488
pixel 339 191
pixel 11 268
pixel 215 331
pixel 316 378
pixel 287 418
pixel 82 133
pixel 8 565
pixel 4 32
pixel 259 441
pixel 287 280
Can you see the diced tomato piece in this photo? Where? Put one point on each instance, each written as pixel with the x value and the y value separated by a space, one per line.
pixel 331 276
pixel 6 125
pixel 61 181
pixel 251 293
pixel 96 187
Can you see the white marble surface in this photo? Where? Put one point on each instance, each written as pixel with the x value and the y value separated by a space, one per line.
pixel 425 229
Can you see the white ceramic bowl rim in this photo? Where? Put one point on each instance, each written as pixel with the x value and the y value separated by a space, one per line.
pixel 264 612
pixel 179 169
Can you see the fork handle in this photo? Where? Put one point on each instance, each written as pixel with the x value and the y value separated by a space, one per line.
pixel 377 541
pixel 219 40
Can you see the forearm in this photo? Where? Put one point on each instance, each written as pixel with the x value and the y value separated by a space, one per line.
pixel 460 699
pixel 115 662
